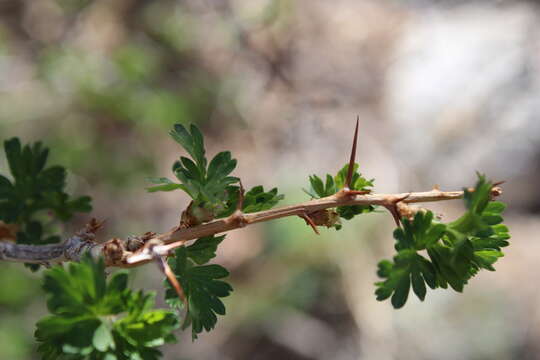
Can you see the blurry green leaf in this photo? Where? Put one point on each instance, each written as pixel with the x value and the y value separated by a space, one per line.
pixel 102 339
pixel 35 188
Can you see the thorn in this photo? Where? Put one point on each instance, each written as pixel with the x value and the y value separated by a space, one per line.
pixel 240 204
pixel 498 183
pixel 391 206
pixel 310 222
pixel 353 155
pixel 166 269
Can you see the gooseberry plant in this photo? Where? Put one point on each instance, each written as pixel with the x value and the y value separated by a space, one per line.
pixel 95 316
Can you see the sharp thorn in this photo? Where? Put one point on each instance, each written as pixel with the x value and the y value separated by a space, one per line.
pixel 352 159
pixel 391 206
pixel 393 211
pixel 165 268
pixel 310 222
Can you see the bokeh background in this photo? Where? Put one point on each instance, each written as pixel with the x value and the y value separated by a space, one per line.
pixel 442 88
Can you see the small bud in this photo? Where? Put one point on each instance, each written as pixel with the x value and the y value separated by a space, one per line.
pixel 496 191
pixel 195 215
pixel 113 251
pixel 407 211
pixel 328 218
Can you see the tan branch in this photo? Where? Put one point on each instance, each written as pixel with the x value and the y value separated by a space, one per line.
pixel 123 253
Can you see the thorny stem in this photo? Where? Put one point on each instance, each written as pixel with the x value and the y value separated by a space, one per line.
pixel 136 251
pixel 115 253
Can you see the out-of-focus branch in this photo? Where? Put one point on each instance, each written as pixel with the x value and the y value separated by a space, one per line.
pixel 70 250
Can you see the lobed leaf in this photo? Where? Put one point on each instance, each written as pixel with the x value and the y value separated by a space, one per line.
pixel 33 190
pixel 99 319
pixel 456 251
pixel 203 289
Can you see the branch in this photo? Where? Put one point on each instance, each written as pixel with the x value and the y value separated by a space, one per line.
pixel 70 250
pixel 136 251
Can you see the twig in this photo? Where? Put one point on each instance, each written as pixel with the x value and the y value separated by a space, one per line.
pixel 115 251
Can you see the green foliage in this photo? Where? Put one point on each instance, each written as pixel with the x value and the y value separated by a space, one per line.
pixel 319 189
pixel 201 285
pixel 456 251
pixel 35 188
pixel 210 184
pixel 204 249
pixel 256 199
pixel 93 318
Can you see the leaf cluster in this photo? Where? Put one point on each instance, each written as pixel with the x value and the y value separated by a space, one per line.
pixel 209 184
pixel 256 199
pixel 455 251
pixel 35 188
pixel 92 318
pixel 319 189
pixel 202 284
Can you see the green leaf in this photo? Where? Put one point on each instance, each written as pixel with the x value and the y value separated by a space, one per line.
pixel 13 150
pixel 406 268
pixel 192 169
pixel 221 166
pixel 419 287
pixel 317 186
pixel 210 188
pixel 98 319
pixel 168 187
pixel 358 182
pixel 203 290
pixel 457 250
pixel 35 189
pixel 163 184
pixel 401 291
pixel 6 189
pixel 256 199
pixel 204 249
pixel 333 184
pixel 102 339
pixel 192 142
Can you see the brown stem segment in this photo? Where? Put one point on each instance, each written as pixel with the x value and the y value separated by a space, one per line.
pixel 72 248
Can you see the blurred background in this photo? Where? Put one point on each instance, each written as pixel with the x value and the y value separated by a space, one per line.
pixel 442 88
